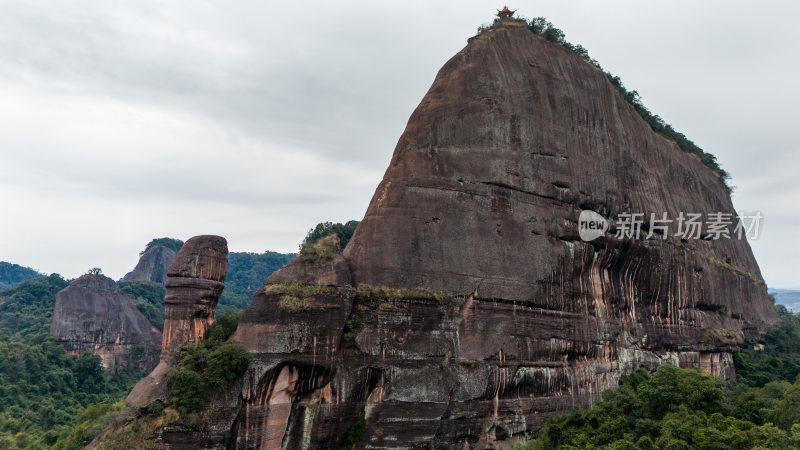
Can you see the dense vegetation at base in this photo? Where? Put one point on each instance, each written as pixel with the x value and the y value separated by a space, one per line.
pixel 14 274
pixel 787 297
pixel 47 397
pixel 212 364
pixel 542 27
pixel 780 358
pixel 50 399
pixel 685 408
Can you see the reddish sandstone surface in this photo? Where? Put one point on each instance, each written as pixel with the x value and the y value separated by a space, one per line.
pixel 195 281
pixel 465 309
pixel 92 314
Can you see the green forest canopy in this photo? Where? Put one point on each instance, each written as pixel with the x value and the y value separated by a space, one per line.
pixel 48 398
pixel 246 274
pixel 682 408
pixel 148 297
pixel 14 274
pixel 51 399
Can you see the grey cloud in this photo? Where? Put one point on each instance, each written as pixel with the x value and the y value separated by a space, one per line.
pixel 331 84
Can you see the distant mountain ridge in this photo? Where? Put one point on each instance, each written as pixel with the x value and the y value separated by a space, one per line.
pixel 246 274
pixel 787 297
pixel 14 274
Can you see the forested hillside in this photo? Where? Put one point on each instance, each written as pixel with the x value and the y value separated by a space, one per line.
pixel 246 274
pixel 788 298
pixel 47 397
pixel 687 409
pixel 14 274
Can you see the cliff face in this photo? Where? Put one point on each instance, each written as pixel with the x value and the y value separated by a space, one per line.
pixel 152 265
pixel 466 309
pixel 195 281
pixel 93 314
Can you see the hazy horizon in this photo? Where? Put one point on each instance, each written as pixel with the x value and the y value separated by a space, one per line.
pixel 125 123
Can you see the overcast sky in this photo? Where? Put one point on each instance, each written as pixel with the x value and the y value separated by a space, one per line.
pixel 256 120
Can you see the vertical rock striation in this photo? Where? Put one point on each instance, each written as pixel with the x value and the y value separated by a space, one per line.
pixel 93 314
pixel 195 281
pixel 466 309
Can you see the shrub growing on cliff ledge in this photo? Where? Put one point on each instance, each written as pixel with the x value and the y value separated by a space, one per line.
pixel 322 250
pixel 367 291
pixel 344 231
pixel 213 364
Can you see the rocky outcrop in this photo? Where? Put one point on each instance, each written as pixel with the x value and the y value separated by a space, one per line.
pixel 93 314
pixel 152 265
pixel 466 309
pixel 195 281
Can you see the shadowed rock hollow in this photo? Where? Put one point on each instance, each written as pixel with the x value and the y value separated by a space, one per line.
pixel 93 314
pixel 466 310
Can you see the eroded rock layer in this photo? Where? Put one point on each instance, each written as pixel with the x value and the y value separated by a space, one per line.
pixel 466 310
pixel 195 281
pixel 93 314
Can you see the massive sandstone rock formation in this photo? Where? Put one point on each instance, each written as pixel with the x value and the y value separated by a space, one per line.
pixel 152 265
pixel 493 314
pixel 195 281
pixel 93 314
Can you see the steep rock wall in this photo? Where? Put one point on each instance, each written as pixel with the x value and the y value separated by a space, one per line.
pixel 466 310
pixel 195 281
pixel 152 265
pixel 93 314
